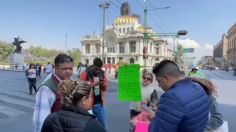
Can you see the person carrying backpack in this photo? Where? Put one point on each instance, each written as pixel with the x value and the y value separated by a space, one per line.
pixel 98 83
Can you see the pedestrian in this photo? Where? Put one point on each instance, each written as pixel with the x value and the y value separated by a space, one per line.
pixel 184 106
pixel 23 68
pixel 38 71
pixel 215 117
pixel 98 83
pixel 31 74
pixel 80 69
pixel 73 115
pixel 47 97
pixel 196 73
pixel 149 96
pixel 48 68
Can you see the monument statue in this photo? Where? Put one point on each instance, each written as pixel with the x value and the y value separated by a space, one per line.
pixel 125 9
pixel 17 42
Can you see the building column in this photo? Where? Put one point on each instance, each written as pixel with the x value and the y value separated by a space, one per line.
pixel 83 49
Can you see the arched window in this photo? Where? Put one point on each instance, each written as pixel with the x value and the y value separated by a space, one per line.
pixel 132 46
pixel 131 61
pixel 122 47
pixel 87 61
pixel 111 45
pixel 87 48
pixel 97 48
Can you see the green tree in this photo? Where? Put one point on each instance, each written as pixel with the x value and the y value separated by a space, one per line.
pixel 5 50
pixel 179 56
pixel 75 53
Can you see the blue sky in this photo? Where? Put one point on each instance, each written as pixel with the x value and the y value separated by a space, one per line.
pixel 45 22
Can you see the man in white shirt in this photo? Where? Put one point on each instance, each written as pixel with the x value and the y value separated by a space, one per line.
pixel 47 98
pixel 49 68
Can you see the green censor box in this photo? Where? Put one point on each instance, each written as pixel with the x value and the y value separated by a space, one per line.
pixel 129 86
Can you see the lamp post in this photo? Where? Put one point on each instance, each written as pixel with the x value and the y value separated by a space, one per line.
pixel 66 43
pixel 103 6
pixel 145 34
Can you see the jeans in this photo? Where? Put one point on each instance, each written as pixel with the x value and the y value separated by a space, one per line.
pixel 99 112
pixel 32 84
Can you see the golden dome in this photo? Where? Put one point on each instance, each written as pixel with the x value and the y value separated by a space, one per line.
pixel 125 20
pixel 140 29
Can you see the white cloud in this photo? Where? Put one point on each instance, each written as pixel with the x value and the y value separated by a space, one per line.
pixel 204 50
pixel 200 50
pixel 186 43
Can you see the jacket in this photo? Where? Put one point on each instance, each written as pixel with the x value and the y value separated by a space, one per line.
pixel 53 83
pixel 183 108
pixel 88 76
pixel 216 118
pixel 71 119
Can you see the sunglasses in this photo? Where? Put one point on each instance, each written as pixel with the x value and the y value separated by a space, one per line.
pixel 147 78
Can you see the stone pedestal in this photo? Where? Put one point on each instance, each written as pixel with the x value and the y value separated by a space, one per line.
pixel 17 61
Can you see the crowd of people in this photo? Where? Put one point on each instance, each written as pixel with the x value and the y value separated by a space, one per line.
pixel 62 104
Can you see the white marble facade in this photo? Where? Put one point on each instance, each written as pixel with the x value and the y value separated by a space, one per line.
pixel 124 42
pixel 124 48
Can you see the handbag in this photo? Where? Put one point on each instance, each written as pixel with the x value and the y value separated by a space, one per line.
pixel 141 126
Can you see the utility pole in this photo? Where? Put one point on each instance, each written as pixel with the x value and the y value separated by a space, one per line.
pixel 103 6
pixel 65 42
pixel 145 35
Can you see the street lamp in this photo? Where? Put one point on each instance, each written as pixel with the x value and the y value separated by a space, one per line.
pixel 182 32
pixel 174 35
pixel 103 6
pixel 158 8
pixel 145 34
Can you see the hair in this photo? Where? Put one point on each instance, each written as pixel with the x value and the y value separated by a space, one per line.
pixel 167 67
pixel 97 62
pixel 144 70
pixel 148 73
pixel 31 65
pixel 73 91
pixel 62 58
pixel 194 69
pixel 207 85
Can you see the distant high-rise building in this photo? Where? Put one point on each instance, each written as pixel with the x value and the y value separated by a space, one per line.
pixel 231 51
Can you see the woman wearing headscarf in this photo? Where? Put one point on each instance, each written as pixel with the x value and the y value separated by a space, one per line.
pixel 73 116
pixel 149 97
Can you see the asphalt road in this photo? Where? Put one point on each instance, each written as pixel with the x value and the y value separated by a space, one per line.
pixel 16 106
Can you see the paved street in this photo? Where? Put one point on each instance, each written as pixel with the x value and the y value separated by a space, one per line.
pixel 225 83
pixel 16 106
